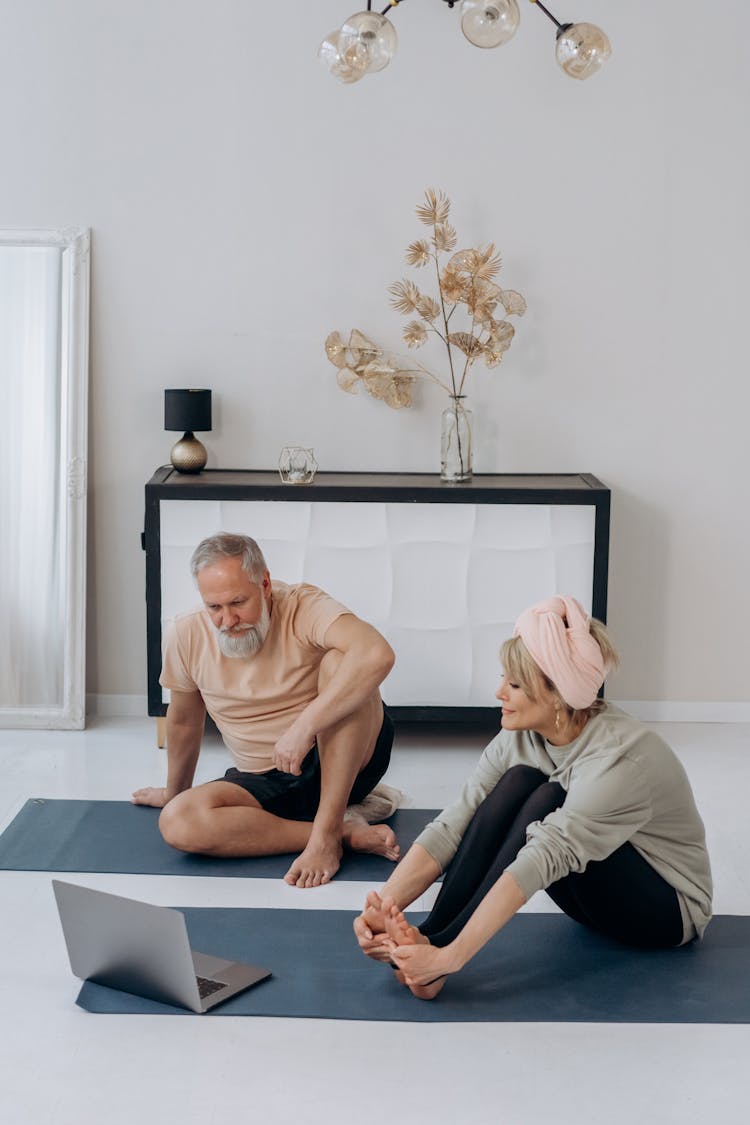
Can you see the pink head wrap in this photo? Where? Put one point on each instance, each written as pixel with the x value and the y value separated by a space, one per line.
pixel 556 633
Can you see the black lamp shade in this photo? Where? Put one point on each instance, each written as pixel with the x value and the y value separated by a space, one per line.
pixel 187 410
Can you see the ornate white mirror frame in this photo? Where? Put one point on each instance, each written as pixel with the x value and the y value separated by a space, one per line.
pixel 44 345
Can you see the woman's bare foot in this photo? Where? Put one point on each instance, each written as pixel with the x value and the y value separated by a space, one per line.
pixel 378 839
pixel 369 929
pixel 402 932
pixel 427 991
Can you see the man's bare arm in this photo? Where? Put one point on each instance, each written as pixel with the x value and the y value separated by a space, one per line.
pixel 186 716
pixel 366 659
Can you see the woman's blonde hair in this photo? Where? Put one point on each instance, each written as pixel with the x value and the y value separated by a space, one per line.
pixel 522 669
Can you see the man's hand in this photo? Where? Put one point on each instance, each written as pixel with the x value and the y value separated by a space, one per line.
pixel 369 929
pixel 291 750
pixel 156 797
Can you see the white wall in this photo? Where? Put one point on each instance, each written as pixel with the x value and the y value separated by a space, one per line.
pixel 243 204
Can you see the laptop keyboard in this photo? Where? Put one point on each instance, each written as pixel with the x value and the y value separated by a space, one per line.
pixel 207 987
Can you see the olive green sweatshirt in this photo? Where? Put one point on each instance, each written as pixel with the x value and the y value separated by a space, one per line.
pixel 623 783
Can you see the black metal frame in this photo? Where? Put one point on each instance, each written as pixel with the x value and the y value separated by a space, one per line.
pixel 451 4
pixel 424 488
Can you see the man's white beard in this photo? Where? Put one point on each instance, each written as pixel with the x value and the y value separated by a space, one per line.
pixel 250 640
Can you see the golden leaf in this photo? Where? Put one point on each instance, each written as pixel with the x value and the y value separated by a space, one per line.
pixel 363 362
pixel 481 299
pixel 335 349
pixel 376 381
pixel 501 336
pixel 488 263
pixel 453 286
pixel 488 289
pixel 418 253
pixel 379 378
pixel 464 261
pixel 415 334
pixel 347 380
pixel 361 349
pixel 385 381
pixel 435 209
pixel 484 317
pixel 428 308
pixel 468 344
pixel 513 303
pixel 491 357
pixel 445 237
pixel 398 392
pixel 406 296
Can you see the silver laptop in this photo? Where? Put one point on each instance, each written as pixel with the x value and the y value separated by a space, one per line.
pixel 144 949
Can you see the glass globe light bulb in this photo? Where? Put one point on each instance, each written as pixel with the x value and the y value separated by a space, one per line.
pixel 489 23
pixel 367 41
pixel 582 49
pixel 329 52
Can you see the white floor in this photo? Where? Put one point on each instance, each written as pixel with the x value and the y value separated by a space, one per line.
pixel 59 1064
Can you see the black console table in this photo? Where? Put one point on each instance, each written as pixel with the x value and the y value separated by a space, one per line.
pixel 442 570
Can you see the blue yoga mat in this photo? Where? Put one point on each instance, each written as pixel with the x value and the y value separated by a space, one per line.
pixel 120 838
pixel 540 968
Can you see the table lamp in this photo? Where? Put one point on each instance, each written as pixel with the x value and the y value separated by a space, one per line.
pixel 188 410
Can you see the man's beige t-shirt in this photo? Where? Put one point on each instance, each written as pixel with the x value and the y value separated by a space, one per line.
pixel 253 700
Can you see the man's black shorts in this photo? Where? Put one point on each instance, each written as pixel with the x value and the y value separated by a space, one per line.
pixel 297 798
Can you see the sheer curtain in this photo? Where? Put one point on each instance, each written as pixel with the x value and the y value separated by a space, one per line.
pixel 32 479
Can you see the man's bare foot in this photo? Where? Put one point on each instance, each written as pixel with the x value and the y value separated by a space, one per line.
pixel 402 933
pixel 316 865
pixel 378 839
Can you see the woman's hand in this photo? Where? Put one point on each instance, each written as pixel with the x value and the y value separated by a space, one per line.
pixel 369 928
pixel 423 964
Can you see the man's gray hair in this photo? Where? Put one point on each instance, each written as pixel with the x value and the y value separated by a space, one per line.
pixel 227 545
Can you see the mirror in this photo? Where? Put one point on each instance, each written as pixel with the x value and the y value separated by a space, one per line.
pixel 44 334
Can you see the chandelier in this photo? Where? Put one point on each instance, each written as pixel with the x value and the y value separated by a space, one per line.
pixel 366 42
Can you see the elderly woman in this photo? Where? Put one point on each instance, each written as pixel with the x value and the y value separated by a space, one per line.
pixel 573 797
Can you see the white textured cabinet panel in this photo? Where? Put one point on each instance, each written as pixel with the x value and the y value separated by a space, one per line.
pixel 443 582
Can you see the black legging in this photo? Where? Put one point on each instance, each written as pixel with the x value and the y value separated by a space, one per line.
pixel 620 896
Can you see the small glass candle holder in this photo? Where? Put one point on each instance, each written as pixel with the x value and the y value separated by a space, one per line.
pixel 297 465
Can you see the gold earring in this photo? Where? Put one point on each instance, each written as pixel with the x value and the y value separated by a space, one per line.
pixel 557 720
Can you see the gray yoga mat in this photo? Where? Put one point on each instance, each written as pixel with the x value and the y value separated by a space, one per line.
pixel 540 968
pixel 120 838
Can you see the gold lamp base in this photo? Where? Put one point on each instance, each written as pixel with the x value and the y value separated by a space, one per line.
pixel 188 454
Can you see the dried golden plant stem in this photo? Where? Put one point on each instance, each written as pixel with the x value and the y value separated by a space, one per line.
pixel 468 362
pixel 431 375
pixel 454 394
pixel 445 318
pixel 468 276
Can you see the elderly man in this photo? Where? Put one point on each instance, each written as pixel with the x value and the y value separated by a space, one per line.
pixel 291 679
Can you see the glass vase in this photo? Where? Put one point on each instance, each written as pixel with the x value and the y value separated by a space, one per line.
pixel 456 441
